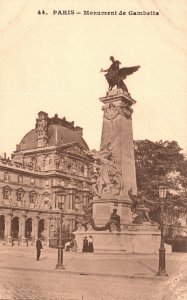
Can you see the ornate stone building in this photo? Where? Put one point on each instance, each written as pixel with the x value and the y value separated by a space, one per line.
pixel 50 161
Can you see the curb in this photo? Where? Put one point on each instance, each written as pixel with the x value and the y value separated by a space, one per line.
pixel 64 272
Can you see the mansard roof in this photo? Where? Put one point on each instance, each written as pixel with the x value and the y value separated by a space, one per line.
pixel 60 132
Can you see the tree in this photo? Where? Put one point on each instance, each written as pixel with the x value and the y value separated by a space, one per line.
pixel 157 163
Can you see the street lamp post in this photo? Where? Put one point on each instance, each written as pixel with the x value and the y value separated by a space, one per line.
pixel 162 250
pixel 60 244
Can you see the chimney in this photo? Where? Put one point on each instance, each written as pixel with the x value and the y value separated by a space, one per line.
pixel 42 129
pixel 79 130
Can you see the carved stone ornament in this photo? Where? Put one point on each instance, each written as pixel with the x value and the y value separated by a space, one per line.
pixel 125 111
pixel 75 149
pixel 112 111
pixel 107 179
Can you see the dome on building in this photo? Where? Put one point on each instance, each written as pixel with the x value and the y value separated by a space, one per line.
pixel 55 132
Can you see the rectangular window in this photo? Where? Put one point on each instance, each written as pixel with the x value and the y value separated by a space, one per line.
pixel 6 176
pixel 46 198
pixel 31 198
pixel 19 197
pixel 47 183
pixel 5 195
pixel 20 179
pixel 32 181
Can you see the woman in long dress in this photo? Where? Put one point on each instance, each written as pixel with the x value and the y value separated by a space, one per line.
pixel 90 244
pixel 85 245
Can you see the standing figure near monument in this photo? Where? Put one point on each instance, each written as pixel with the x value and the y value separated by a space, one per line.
pixel 115 219
pixel 85 244
pixel 115 75
pixel 90 244
pixel 38 248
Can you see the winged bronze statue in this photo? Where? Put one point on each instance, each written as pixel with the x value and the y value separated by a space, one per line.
pixel 115 75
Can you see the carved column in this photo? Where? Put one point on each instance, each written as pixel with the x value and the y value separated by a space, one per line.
pixel 42 129
pixel 8 224
pixel 70 200
pixel 85 197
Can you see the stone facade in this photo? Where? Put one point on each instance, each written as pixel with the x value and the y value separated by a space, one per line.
pixel 50 160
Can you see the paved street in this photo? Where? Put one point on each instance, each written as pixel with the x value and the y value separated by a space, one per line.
pixel 89 276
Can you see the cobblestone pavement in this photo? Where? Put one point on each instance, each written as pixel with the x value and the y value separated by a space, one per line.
pixel 87 277
pixel 16 284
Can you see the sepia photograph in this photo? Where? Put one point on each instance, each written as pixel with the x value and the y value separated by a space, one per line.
pixel 93 150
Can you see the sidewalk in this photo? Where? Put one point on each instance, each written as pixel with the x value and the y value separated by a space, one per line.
pixel 94 264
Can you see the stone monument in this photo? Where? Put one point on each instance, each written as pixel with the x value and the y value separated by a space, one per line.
pixel 117 136
pixel 109 217
pixel 117 133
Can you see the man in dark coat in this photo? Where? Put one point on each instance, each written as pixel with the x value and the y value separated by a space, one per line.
pixel 115 218
pixel 38 248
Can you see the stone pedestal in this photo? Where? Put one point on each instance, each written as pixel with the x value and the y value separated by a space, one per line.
pixel 127 241
pixel 117 130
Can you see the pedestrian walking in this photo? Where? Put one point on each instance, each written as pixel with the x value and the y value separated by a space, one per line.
pixel 85 244
pixel 38 248
pixel 90 244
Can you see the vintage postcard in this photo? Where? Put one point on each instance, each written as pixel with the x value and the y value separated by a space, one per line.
pixel 93 149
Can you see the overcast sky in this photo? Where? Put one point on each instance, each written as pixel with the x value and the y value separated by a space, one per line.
pixel 52 63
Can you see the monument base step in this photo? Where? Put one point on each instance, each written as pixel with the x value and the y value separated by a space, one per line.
pixel 122 242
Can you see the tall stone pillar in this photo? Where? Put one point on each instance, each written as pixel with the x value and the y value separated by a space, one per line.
pixel 117 134
pixel 36 220
pixel 70 200
pixel 85 196
pixel 8 224
pixel 48 224
pixel 48 229
pixel 22 220
pixel 71 192
pixel 117 129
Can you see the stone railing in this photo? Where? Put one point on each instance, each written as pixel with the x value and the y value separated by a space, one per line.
pixel 16 165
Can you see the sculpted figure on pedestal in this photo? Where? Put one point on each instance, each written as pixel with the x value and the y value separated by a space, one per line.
pixel 115 75
pixel 106 176
pixel 139 208
pixel 113 223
